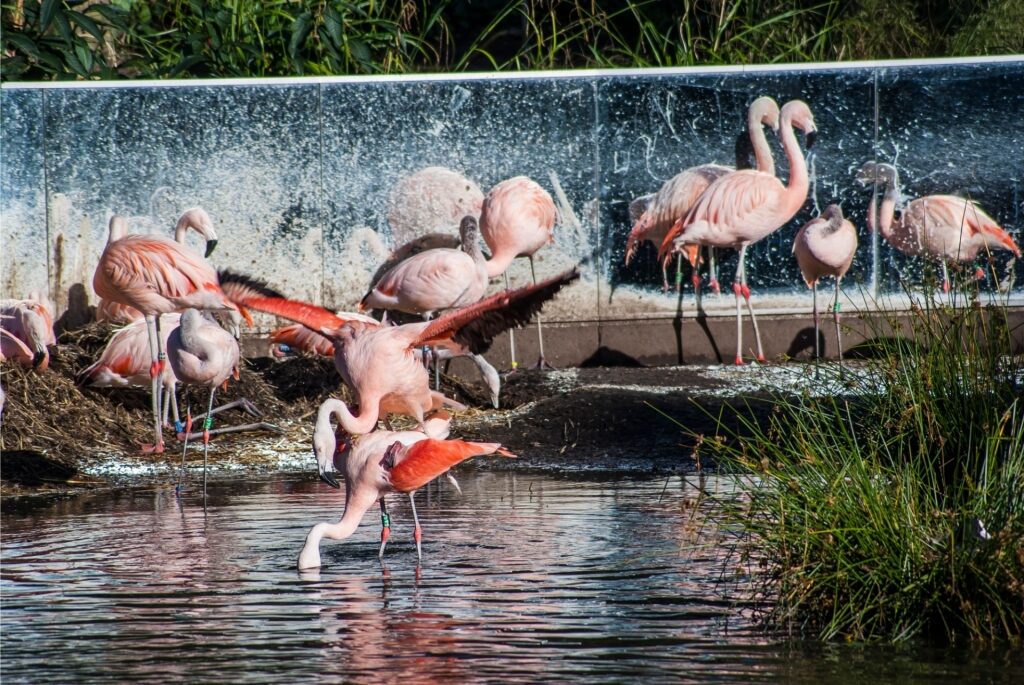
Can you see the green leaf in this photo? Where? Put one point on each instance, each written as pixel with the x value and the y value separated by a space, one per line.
pixel 332 20
pixel 84 57
pixel 64 28
pixel 114 15
pixel 87 24
pixel 46 14
pixel 22 42
pixel 360 51
pixel 300 29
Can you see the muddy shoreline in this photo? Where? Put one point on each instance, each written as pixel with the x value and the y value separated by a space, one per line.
pixel 59 439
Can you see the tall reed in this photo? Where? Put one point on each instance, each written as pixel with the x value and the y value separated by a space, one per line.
pixel 896 514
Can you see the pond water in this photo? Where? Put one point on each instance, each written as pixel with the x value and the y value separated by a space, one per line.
pixel 525 578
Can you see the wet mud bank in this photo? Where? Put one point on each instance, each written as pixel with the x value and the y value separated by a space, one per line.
pixel 59 438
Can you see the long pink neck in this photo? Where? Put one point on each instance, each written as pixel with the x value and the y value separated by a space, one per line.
pixel 364 422
pixel 762 152
pixel 888 208
pixel 796 191
pixel 498 263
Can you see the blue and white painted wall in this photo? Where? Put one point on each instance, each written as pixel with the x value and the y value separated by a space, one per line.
pixel 297 173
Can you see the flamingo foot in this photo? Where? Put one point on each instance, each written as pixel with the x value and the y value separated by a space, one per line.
pixel 739 360
pixel 945 286
pixel 761 359
pixel 716 288
pixel 979 274
pixel 146 448
pixel 543 365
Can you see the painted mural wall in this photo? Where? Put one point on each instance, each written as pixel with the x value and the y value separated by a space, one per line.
pixel 304 179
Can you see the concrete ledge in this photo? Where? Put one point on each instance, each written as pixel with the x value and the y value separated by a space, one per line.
pixel 692 340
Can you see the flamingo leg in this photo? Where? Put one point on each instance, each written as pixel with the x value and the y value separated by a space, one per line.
pixel 154 375
pixel 385 527
pixel 511 337
pixel 664 277
pixel 187 428
pixel 679 272
pixel 817 349
pixel 417 534
pixel 542 362
pixel 713 272
pixel 207 424
pixel 750 308
pixel 835 317
pixel 945 277
pixel 737 290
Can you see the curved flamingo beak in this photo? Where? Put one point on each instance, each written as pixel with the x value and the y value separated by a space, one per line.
pixel 38 358
pixel 329 478
pixel 811 137
pixel 211 245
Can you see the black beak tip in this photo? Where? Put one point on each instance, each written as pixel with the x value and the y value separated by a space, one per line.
pixel 211 245
pixel 811 137
pixel 330 480
pixel 37 359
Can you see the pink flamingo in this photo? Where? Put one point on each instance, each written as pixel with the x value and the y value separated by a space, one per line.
pixel 125 362
pixel 298 337
pixel 678 194
pixel 156 276
pixel 517 219
pixel 379 362
pixel 431 199
pixel 202 353
pixel 743 207
pixel 30 323
pixel 378 464
pixel 944 228
pixel 825 247
pixel 434 280
pixel 195 218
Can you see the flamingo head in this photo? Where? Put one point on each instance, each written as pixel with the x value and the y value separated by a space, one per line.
pixel 324 446
pixel 198 220
pixel 35 326
pixel 797 114
pixel 872 173
pixel 764 110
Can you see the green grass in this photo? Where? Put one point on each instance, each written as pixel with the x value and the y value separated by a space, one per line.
pixel 106 39
pixel 863 511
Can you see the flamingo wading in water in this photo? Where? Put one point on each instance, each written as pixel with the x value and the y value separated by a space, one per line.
pixel 377 464
pixel 517 220
pixel 825 247
pixel 743 207
pixel 943 228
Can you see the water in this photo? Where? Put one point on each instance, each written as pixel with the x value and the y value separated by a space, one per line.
pixel 525 578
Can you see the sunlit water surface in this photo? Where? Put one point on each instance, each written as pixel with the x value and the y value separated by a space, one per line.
pixel 525 578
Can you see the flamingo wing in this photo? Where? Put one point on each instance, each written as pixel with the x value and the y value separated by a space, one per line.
pixel 475 326
pixel 959 213
pixel 423 461
pixel 425 282
pixel 731 211
pixel 299 337
pixel 144 265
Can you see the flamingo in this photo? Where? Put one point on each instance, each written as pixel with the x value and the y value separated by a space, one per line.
pixel 743 207
pixel 944 228
pixel 431 199
pixel 517 219
pixel 156 276
pixel 202 353
pixel 296 336
pixel 29 328
pixel 378 464
pixel 678 194
pixel 378 362
pixel 125 361
pixel 434 280
pixel 825 247
pixel 195 218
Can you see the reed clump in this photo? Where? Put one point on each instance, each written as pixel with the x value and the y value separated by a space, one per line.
pixel 900 513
